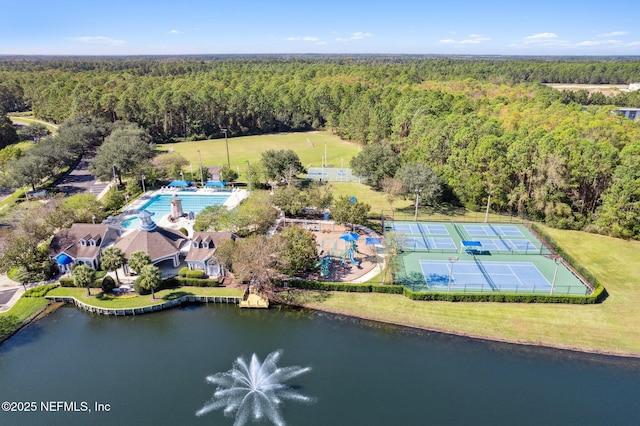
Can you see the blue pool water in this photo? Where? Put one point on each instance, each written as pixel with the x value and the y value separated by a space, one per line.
pixel 160 205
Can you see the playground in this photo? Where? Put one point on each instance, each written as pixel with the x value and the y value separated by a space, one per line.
pixel 344 253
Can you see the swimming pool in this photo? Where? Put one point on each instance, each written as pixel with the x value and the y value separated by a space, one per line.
pixel 160 205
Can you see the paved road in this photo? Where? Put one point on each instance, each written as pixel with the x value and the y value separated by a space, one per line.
pixel 6 295
pixel 80 181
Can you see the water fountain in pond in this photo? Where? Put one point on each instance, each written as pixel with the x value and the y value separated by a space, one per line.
pixel 254 390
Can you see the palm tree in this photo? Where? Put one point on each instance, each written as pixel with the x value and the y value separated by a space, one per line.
pixel 138 260
pixel 112 259
pixel 84 276
pixel 149 278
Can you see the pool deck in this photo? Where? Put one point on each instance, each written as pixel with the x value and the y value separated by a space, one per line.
pixel 236 196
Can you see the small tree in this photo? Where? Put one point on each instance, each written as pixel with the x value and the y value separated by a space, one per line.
pixel 112 259
pixel 149 278
pixel 227 174
pixel 347 210
pixel 138 260
pixel 83 276
pixel 281 165
pixel 35 132
pixel 391 188
pixel 108 284
pixel 290 199
pixel 298 251
pixel 421 179
pixel 375 162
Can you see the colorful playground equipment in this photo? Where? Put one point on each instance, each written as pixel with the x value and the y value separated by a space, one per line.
pixel 325 262
pixel 350 238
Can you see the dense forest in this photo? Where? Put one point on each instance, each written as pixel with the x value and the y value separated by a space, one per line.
pixel 481 123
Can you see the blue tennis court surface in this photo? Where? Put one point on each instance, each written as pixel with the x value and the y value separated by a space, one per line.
pixel 473 274
pixel 419 228
pixel 506 245
pixel 493 231
pixel 420 243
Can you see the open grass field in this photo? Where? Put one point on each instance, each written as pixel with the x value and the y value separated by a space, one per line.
pixel 309 146
pixel 26 120
pixel 610 327
pixel 141 301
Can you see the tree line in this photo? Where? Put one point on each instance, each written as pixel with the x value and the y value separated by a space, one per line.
pixel 481 124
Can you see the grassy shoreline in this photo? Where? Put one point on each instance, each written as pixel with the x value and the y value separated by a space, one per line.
pixel 611 327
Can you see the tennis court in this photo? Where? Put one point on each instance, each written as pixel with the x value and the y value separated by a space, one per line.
pixel 479 275
pixel 413 228
pixel 429 243
pixel 493 230
pixel 505 258
pixel 332 174
pixel 507 245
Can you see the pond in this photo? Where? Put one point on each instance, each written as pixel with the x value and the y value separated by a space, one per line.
pixel 151 369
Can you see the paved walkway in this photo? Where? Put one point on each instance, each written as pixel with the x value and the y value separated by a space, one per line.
pixel 10 292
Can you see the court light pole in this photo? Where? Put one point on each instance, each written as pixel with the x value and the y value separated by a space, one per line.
pixel 555 274
pixel 452 260
pixel 227 144
pixel 248 173
pixel 486 214
pixel 415 216
pixel 115 177
pixel 325 153
pixel 201 175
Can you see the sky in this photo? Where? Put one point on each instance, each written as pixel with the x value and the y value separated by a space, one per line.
pixel 160 27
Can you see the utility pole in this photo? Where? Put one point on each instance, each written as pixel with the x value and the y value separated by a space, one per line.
pixel 201 175
pixel 227 144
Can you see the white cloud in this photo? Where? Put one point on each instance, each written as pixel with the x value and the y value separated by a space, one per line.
pixel 174 32
pixel 613 34
pixel 355 36
pixel 360 35
pixel 473 39
pixel 598 42
pixel 101 40
pixel 320 43
pixel 298 38
pixel 540 38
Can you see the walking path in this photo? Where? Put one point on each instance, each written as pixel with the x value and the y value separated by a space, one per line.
pixel 10 292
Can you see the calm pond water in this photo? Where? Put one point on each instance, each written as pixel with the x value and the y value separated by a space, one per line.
pixel 151 369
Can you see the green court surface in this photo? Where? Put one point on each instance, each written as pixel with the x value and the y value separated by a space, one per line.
pixel 478 258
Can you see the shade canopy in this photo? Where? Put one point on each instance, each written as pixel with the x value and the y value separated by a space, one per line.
pixel 350 236
pixel 179 183
pixel 218 183
pixel 63 259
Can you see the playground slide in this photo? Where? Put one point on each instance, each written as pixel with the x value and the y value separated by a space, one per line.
pixel 353 260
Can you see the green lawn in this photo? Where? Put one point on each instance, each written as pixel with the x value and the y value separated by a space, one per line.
pixel 25 307
pixel 309 146
pixel 53 128
pixel 610 327
pixel 97 300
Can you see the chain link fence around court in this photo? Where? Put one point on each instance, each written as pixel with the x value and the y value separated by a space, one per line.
pixel 434 258
pixel 332 174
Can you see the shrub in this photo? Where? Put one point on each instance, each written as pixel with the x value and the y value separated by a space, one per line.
pixel 108 284
pixel 184 231
pixel 68 282
pixel 196 273
pixel 191 282
pixel 39 291
pixel 183 272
